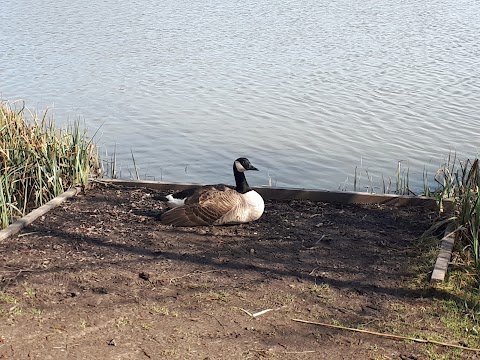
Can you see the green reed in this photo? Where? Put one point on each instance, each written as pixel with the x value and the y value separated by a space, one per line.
pixel 468 205
pixel 460 181
pixel 399 185
pixel 38 161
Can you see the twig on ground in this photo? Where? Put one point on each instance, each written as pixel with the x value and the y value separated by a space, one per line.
pixel 263 351
pixel 223 326
pixel 398 337
pixel 191 274
pixel 145 353
pixel 19 271
pixel 257 313
pixel 246 312
pixel 26 234
pixel 260 312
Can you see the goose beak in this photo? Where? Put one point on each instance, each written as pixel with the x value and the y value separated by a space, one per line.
pixel 251 167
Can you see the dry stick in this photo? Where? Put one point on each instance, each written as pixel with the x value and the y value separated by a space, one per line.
pixel 191 274
pixel 257 313
pixel 399 337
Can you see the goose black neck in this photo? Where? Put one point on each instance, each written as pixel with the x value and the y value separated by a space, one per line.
pixel 240 181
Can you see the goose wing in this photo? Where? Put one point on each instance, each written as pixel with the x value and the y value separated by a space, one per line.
pixel 204 207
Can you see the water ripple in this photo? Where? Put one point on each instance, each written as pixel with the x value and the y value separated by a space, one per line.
pixel 309 90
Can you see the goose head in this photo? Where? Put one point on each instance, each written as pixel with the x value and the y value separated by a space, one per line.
pixel 242 164
pixel 239 167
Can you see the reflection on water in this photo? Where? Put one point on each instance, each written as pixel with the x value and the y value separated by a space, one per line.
pixel 308 90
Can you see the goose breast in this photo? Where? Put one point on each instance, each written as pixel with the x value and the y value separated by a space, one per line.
pixel 250 207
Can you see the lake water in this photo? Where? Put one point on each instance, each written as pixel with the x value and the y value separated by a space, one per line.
pixel 307 89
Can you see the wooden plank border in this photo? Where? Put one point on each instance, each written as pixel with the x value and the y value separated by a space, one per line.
pixel 273 193
pixel 19 224
pixel 444 256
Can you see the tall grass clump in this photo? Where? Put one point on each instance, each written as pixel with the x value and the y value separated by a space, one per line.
pixel 467 200
pixel 38 161
pixel 460 181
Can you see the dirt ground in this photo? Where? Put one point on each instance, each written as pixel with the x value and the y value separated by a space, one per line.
pixel 100 278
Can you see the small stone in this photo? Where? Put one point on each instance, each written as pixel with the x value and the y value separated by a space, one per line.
pixel 252 251
pixel 144 276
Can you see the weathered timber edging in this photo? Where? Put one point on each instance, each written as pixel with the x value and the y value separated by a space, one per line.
pixel 444 256
pixel 19 224
pixel 272 193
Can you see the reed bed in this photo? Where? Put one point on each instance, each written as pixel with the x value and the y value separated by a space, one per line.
pixel 38 161
pixel 398 185
pixel 460 180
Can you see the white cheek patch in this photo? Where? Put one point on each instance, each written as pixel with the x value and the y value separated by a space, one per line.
pixel 239 166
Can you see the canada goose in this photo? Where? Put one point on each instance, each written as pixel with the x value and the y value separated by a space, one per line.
pixel 216 204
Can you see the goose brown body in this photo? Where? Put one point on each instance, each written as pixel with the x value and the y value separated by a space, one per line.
pixel 219 204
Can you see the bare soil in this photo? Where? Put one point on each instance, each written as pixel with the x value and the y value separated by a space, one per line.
pixel 100 278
